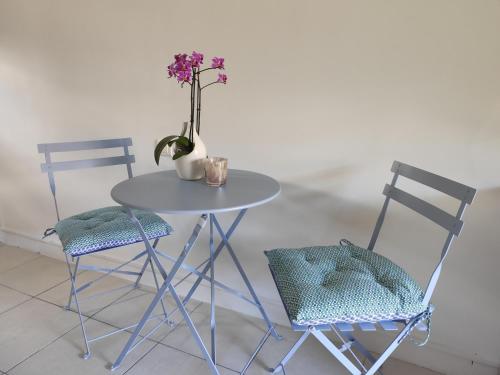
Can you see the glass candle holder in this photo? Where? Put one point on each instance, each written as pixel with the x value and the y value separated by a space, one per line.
pixel 216 171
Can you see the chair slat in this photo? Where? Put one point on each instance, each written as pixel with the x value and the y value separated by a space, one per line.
pixel 388 325
pixel 455 189
pixel 367 326
pixel 344 327
pixel 83 145
pixel 87 163
pixel 437 215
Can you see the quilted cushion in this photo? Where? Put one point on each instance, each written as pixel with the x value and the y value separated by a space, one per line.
pixel 332 284
pixel 106 228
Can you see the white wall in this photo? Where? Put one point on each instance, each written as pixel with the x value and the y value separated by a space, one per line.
pixel 322 95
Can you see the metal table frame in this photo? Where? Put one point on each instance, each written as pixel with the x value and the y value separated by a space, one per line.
pixel 208 265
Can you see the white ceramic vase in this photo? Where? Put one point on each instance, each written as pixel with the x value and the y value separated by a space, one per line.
pixel 191 166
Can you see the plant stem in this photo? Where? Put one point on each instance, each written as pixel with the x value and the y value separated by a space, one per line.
pixel 213 83
pixel 193 88
pixel 200 71
pixel 198 105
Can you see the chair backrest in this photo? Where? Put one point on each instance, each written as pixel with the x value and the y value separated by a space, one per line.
pixel 51 167
pixel 452 223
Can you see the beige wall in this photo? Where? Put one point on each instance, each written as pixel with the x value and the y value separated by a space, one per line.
pixel 322 95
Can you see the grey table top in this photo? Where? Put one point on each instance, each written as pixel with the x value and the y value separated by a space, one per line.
pixel 164 192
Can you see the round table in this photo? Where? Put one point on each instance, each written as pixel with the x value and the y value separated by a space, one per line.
pixel 163 192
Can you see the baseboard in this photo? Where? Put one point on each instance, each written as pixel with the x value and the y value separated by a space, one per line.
pixel 435 357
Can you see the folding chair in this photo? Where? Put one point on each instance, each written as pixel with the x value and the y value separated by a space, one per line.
pixel 101 229
pixel 335 288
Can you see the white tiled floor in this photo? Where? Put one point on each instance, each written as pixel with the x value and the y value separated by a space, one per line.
pixel 38 336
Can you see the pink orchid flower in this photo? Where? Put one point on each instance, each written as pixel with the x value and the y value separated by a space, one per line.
pixel 222 78
pixel 218 63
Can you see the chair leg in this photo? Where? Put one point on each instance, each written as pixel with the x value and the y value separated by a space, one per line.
pixel 281 365
pixel 389 350
pixel 150 261
pixel 72 276
pixel 70 298
pixel 74 292
pixel 165 313
pixel 336 352
pixel 143 269
pixel 257 350
pixel 359 347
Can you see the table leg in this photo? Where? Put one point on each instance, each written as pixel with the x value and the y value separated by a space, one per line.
pixel 229 233
pixel 194 332
pixel 225 240
pixel 167 285
pixel 212 291
pixel 161 292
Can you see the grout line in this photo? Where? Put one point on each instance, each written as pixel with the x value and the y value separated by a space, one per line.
pixel 65 333
pixel 58 284
pixel 13 307
pixel 161 342
pixel 15 290
pixel 173 348
pixel 155 342
pixel 194 355
pixel 22 264
pixel 43 347
pixel 141 357
pixel 92 316
pixel 42 292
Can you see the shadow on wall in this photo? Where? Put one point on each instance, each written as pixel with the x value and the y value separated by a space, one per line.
pixel 468 290
pixel 470 278
pixel 304 216
pixel 311 213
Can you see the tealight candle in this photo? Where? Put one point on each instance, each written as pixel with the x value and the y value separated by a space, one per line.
pixel 216 171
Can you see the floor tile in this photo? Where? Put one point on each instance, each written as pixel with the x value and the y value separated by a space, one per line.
pixel 312 358
pixel 35 276
pixel 10 298
pixel 37 336
pixel 64 355
pixel 397 367
pixel 129 309
pixel 13 256
pixel 164 360
pixel 237 337
pixel 59 294
pixel 29 327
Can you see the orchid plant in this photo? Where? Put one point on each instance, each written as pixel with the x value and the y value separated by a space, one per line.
pixel 187 69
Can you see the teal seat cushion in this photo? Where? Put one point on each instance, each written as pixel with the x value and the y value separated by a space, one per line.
pixel 345 283
pixel 106 228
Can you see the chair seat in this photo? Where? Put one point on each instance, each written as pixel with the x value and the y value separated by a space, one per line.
pixel 107 228
pixel 345 283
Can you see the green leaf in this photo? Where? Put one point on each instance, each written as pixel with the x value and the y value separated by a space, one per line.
pixel 183 141
pixel 161 145
pixel 178 154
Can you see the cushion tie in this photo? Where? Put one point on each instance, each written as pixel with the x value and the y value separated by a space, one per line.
pixel 48 232
pixel 426 315
pixel 344 242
